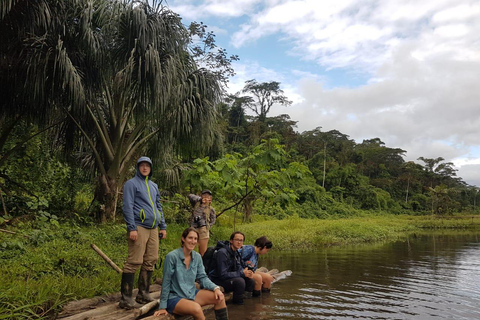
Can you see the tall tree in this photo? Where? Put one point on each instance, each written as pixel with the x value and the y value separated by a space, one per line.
pixel 266 94
pixel 128 80
pixel 438 171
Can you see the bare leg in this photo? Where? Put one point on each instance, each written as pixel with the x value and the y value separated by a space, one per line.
pixel 202 246
pixel 257 277
pixel 189 307
pixel 267 279
pixel 205 297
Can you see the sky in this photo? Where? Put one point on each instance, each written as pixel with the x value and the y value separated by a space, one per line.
pixel 404 71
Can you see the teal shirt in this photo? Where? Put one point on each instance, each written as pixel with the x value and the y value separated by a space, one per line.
pixel 178 281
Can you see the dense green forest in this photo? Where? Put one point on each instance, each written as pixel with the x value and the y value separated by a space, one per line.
pixel 89 86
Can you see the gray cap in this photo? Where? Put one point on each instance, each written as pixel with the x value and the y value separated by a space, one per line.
pixel 207 191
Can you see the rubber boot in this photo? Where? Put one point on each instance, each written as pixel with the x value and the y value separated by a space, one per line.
pixel 221 314
pixel 144 279
pixel 126 288
pixel 267 290
pixel 256 293
pixel 247 295
pixel 237 300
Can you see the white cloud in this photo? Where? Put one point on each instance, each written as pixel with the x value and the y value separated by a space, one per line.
pixel 422 59
pixel 470 173
pixel 192 10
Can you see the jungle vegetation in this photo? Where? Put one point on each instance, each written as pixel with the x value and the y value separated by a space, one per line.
pixel 88 86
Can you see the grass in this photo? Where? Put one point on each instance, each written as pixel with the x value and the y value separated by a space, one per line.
pixel 43 269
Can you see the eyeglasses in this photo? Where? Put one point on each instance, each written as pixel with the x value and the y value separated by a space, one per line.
pixel 238 240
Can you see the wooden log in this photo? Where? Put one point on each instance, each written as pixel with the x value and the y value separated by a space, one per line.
pixel 273 271
pixel 88 311
pixel 106 308
pixel 281 275
pixel 206 310
pixel 106 258
pixel 146 308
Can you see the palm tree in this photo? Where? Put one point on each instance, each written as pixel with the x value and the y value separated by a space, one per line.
pixel 128 81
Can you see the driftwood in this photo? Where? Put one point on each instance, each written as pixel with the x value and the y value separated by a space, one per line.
pixel 106 258
pixel 106 308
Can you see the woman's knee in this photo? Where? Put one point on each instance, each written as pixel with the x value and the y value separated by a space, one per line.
pixel 188 307
pixel 197 311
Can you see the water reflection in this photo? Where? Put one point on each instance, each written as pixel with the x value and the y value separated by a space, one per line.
pixel 432 276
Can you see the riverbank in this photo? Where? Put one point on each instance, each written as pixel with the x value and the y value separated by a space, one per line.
pixel 43 269
pixel 308 234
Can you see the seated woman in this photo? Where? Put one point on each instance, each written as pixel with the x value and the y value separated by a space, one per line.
pixel 263 281
pixel 180 270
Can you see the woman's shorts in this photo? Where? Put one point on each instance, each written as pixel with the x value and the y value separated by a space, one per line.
pixel 203 233
pixel 172 303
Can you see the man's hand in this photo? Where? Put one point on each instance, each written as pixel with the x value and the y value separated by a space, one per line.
pixel 248 273
pixel 164 233
pixel 133 235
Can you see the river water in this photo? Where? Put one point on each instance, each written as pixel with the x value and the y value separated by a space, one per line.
pixel 434 276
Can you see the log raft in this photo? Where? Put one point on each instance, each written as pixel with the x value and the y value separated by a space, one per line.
pixel 106 308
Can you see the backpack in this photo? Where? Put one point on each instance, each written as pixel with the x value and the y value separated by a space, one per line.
pixel 208 258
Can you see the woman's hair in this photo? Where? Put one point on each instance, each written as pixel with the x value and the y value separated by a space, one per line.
pixel 186 232
pixel 237 232
pixel 263 242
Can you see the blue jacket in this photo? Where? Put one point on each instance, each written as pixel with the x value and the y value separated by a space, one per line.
pixel 141 201
pixel 249 257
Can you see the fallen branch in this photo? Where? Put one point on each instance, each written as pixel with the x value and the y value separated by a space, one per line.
pixel 13 232
pixel 7 231
pixel 107 259
pixel 146 308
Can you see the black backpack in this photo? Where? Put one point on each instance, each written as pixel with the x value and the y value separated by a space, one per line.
pixel 209 255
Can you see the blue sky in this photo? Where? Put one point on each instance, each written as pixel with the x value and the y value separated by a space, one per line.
pixel 404 71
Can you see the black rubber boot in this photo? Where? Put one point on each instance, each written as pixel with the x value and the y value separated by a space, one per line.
pixel 144 280
pixel 221 314
pixel 267 290
pixel 126 288
pixel 237 300
pixel 256 293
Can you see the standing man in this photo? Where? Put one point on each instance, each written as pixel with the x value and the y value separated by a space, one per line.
pixel 143 215
pixel 229 271
pixel 202 218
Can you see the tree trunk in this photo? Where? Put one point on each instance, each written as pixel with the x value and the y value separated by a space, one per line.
pixel 106 195
pixel 248 206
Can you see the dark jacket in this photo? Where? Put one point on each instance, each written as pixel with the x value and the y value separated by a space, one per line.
pixel 228 265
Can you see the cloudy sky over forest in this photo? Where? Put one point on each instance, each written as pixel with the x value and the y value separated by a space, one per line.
pixel 404 71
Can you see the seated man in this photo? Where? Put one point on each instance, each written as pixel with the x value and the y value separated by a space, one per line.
pixel 263 281
pixel 228 271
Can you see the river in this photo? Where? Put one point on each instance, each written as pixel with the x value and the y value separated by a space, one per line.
pixel 430 276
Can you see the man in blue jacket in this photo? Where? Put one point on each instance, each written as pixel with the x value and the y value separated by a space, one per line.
pixel 229 271
pixel 143 215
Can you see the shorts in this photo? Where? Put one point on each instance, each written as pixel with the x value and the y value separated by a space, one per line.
pixel 203 233
pixel 172 303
